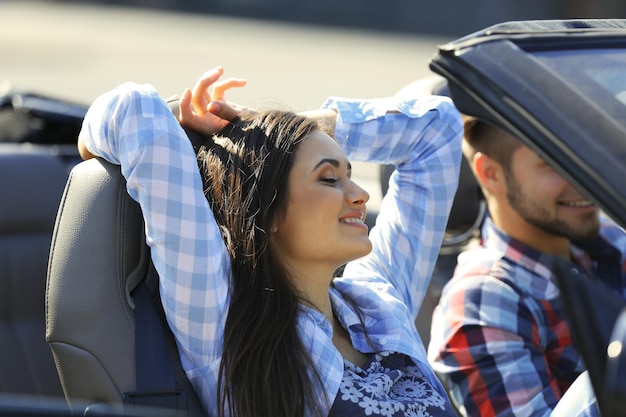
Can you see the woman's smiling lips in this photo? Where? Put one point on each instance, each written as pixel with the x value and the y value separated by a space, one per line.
pixel 354 218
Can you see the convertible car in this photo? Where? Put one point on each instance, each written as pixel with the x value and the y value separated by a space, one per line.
pixel 75 335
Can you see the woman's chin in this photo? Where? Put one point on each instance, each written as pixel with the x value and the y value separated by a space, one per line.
pixel 364 250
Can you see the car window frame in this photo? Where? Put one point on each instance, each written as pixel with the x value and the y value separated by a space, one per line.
pixel 494 76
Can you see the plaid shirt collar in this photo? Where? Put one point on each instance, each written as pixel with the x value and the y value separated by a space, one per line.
pixel 598 258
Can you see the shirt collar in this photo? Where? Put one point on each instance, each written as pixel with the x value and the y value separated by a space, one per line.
pixel 587 255
pixel 516 251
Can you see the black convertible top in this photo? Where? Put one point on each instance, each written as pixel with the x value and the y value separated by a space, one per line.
pixel 543 28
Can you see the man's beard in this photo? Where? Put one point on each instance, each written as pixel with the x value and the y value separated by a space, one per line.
pixel 585 230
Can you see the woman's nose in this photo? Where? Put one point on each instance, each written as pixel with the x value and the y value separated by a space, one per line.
pixel 358 195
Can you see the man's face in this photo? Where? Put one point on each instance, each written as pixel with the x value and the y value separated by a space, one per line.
pixel 546 201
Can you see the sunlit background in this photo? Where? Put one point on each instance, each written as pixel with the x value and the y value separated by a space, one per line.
pixel 294 53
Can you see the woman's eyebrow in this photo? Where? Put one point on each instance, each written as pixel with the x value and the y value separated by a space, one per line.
pixel 333 162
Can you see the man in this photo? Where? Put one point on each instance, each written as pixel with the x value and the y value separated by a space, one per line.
pixel 499 338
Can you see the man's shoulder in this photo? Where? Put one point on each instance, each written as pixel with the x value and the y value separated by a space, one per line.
pixel 476 262
pixel 480 294
pixel 480 271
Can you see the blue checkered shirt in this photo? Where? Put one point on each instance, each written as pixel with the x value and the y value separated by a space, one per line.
pixel 133 127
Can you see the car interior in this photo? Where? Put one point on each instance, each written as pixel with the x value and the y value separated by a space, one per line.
pixel 80 283
pixel 36 156
pixel 97 263
pixel 106 351
pixel 599 336
pixel 32 180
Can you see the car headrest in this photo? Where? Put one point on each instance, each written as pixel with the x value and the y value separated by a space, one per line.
pixel 431 85
pixel 32 183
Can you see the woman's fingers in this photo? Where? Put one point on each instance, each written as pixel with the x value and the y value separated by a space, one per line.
pixel 201 96
pixel 203 108
pixel 220 87
pixel 215 118
pixel 185 108
pixel 224 110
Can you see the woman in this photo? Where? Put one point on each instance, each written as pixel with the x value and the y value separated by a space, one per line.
pixel 247 269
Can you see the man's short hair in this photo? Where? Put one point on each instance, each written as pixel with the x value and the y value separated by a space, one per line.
pixel 483 137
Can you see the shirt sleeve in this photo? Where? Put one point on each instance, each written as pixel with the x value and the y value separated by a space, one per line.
pixel 422 138
pixel 489 350
pixel 133 127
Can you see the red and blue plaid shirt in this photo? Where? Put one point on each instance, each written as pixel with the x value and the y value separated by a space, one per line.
pixel 499 338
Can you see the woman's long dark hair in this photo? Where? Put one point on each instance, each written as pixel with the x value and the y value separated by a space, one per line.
pixel 265 369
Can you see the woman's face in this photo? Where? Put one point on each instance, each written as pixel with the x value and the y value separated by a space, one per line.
pixel 323 224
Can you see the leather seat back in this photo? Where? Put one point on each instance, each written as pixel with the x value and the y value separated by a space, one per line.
pixel 31 184
pixel 97 254
pixel 106 326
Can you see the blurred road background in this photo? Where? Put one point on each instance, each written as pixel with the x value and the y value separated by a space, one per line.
pixel 77 52
pixel 80 51
pixel 441 17
pixel 293 53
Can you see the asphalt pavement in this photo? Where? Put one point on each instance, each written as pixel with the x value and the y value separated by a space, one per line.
pixel 76 52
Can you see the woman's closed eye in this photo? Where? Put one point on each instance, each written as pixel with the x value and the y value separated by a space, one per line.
pixel 331 172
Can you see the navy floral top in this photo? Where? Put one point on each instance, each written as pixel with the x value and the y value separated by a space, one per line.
pixel 388 385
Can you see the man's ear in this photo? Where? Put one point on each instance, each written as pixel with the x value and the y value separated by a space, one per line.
pixel 489 173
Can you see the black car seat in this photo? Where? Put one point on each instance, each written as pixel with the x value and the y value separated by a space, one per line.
pixel 105 325
pixel 31 182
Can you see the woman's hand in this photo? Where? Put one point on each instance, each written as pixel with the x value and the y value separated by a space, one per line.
pixel 204 109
